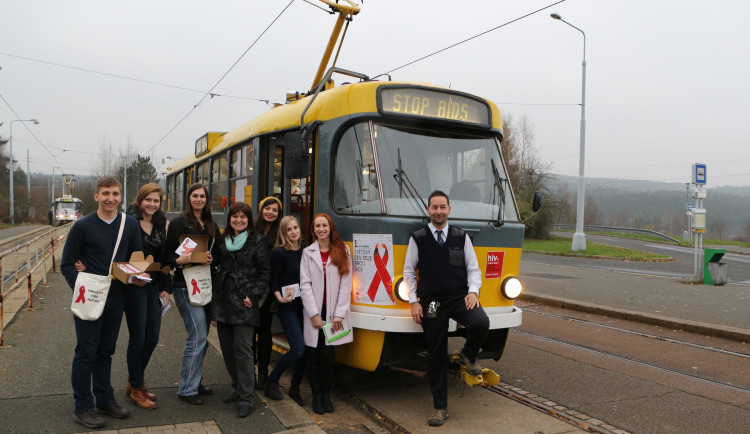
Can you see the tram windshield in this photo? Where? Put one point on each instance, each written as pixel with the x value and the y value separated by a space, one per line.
pixel 68 208
pixel 405 166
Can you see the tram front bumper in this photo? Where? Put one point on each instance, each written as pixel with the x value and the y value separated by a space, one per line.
pixel 399 321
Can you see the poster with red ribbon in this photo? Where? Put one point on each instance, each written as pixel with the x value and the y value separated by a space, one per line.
pixel 372 258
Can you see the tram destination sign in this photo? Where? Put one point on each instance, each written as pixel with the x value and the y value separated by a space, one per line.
pixel 434 104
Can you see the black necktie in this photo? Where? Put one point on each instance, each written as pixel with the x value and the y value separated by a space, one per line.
pixel 440 238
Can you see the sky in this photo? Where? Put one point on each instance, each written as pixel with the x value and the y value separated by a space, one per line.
pixel 667 81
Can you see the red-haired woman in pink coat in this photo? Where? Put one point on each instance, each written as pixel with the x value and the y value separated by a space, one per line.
pixel 326 289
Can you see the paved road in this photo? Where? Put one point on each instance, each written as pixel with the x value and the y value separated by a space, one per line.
pixel 738 265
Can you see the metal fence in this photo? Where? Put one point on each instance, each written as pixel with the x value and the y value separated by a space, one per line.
pixel 26 264
pixel 616 229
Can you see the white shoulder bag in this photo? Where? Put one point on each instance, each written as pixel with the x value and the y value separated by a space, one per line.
pixel 198 282
pixel 91 290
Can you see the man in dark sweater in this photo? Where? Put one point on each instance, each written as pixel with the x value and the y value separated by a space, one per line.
pixel 449 279
pixel 91 241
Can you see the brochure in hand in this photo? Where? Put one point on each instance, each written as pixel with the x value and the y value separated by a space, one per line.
pixel 331 335
pixel 291 289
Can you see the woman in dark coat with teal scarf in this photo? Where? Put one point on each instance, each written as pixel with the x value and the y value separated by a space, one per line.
pixel 239 286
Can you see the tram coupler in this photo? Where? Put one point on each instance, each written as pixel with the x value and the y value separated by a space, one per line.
pixel 488 377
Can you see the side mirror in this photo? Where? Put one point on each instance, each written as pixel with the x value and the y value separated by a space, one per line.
pixel 296 158
pixel 537 203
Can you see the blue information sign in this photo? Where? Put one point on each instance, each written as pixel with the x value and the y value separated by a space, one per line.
pixel 699 174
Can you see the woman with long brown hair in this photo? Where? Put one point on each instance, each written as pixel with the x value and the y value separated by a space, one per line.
pixel 142 304
pixel 326 288
pixel 195 220
pixel 241 283
pixel 267 225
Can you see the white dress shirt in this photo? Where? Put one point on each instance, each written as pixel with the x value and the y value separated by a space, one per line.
pixel 473 273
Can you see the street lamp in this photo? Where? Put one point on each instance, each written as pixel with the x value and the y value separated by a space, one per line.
pixel 579 238
pixel 10 164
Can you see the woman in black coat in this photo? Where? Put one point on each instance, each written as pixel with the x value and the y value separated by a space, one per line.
pixel 240 284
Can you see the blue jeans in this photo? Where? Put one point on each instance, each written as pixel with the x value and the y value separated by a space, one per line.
pixel 290 316
pixel 143 315
pixel 196 325
pixel 95 345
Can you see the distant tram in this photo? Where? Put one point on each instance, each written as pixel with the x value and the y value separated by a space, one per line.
pixel 369 153
pixel 66 209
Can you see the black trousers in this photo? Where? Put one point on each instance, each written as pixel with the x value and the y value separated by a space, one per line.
pixel 235 342
pixel 436 337
pixel 320 366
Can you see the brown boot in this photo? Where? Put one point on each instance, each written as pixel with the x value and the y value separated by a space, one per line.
pixel 139 397
pixel 150 395
pixel 129 390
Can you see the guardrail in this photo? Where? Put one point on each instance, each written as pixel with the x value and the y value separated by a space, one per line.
pixel 616 229
pixel 28 262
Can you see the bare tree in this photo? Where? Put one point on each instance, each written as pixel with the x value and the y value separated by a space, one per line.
pixel 528 174
pixel 105 165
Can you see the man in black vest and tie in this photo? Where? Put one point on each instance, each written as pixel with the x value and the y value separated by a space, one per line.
pixel 443 258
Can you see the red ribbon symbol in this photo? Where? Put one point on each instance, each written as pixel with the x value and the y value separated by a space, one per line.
pixel 381 274
pixel 195 287
pixel 81 297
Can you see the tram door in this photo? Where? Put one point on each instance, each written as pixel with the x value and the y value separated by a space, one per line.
pixel 276 182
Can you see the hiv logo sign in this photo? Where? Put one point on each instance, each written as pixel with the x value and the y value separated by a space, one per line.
pixel 381 273
pixel 196 290
pixel 81 297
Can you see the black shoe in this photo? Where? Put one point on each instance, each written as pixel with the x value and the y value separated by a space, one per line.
pixel 296 397
pixel 244 409
pixel 204 390
pixel 262 379
pixel 232 398
pixel 114 410
pixel 327 404
pixel 272 391
pixel 192 399
pixel 89 420
pixel 317 404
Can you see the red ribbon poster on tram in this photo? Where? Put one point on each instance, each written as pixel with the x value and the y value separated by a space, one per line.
pixel 372 260
pixel 494 265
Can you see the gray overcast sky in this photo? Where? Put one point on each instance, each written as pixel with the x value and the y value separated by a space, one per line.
pixel 668 81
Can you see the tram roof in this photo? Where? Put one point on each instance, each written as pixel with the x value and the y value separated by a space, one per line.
pixel 342 100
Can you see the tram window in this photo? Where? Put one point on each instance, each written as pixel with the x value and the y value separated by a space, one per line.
pixel 278 160
pixel 219 172
pixel 249 158
pixel 236 164
pixel 179 195
pixel 202 173
pixel 355 188
pixel 219 199
pixel 460 165
pixel 170 193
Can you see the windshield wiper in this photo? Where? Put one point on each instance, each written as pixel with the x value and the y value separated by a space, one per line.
pixel 498 186
pixel 400 176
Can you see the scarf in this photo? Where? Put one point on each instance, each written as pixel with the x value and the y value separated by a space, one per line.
pixel 236 243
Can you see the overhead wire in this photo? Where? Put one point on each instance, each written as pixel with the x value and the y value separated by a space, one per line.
pixel 472 37
pixel 124 77
pixel 27 128
pixel 209 93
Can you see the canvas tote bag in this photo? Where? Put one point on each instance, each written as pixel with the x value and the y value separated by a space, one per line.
pixel 198 281
pixel 91 290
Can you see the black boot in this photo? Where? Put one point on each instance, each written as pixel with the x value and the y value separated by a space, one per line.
pixel 260 384
pixel 272 391
pixel 313 376
pixel 296 397
pixel 327 404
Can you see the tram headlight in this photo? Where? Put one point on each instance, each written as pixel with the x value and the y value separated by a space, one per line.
pixel 402 291
pixel 511 287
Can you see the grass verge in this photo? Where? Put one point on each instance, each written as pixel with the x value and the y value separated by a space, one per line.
pixel 561 246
